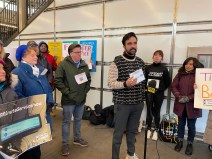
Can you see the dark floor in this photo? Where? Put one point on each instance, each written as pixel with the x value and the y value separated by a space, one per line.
pixel 100 138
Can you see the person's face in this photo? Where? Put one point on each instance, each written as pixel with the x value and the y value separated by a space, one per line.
pixel 35 48
pixel 131 46
pixel 30 57
pixel 43 48
pixel 2 73
pixel 76 54
pixel 157 58
pixel 189 66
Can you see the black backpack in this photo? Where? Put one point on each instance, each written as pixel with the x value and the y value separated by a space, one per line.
pixel 97 117
pixel 109 115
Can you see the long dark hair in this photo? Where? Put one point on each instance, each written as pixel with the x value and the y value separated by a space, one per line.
pixel 6 69
pixel 196 64
pixel 8 75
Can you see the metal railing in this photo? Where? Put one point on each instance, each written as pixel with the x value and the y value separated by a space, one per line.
pixel 9 20
pixel 9 17
pixel 33 6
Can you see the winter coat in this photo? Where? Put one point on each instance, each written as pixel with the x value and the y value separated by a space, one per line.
pixel 51 61
pixel 48 56
pixel 207 138
pixel 7 94
pixel 72 93
pixel 184 86
pixel 29 84
pixel 42 61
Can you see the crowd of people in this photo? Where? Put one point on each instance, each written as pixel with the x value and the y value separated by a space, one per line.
pixel 35 75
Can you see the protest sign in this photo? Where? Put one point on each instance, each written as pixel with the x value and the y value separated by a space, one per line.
pixel 203 93
pixel 23 125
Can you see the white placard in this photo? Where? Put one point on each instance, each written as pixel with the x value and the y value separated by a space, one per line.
pixel 139 75
pixel 203 93
pixel 81 78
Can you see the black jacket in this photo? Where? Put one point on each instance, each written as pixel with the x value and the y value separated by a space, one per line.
pixel 158 72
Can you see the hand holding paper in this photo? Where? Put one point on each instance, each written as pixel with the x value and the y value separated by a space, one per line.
pixel 139 75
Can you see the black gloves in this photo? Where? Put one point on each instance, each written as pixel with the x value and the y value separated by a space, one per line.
pixel 183 99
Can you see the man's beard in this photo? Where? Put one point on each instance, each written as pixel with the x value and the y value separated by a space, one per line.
pixel 130 53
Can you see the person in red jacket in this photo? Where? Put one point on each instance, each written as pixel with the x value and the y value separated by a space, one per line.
pixel 44 50
pixel 183 89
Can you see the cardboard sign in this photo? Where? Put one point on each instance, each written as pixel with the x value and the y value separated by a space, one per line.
pixel 23 125
pixel 203 93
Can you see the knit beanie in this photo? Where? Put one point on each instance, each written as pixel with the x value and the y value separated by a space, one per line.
pixel 21 50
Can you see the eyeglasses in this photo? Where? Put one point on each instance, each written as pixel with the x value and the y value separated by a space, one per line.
pixel 79 52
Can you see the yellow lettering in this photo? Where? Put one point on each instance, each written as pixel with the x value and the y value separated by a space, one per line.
pixel 205 93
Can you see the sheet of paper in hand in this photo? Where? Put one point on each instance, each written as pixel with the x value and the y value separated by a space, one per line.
pixel 81 78
pixel 138 74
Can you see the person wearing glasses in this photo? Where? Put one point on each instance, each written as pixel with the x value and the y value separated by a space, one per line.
pixel 73 79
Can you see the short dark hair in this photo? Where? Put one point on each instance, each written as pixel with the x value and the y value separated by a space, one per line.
pixel 160 52
pixel 72 47
pixel 127 36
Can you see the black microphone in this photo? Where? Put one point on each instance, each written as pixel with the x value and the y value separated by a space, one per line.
pixel 151 86
pixel 149 101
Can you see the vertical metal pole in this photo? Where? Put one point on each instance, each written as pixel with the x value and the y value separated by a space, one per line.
pixel 22 14
pixel 174 31
pixel 102 63
pixel 54 12
pixel 55 90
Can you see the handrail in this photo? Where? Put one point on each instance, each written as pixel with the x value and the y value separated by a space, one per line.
pixel 8 20
pixel 33 6
pixel 9 17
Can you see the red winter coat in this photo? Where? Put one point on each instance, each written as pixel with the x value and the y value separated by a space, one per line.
pixel 184 86
pixel 53 64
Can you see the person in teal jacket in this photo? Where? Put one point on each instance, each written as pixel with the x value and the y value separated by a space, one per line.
pixel 73 79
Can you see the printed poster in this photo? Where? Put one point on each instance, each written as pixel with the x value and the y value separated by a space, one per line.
pixel 23 126
pixel 89 48
pixel 65 46
pixel 203 93
pixel 55 49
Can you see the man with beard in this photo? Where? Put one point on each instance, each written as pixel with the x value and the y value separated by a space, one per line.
pixel 128 95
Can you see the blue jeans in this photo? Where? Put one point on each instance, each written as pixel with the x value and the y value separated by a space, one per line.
pixel 191 128
pixel 77 111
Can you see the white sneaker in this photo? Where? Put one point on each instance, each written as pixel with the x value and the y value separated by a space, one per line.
pixel 135 156
pixel 149 134
pixel 155 136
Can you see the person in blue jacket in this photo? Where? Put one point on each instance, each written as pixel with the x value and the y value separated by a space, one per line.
pixel 32 81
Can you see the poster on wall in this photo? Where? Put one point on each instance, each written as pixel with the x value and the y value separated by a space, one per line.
pixel 89 48
pixel 55 49
pixel 203 93
pixel 23 126
pixel 65 46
